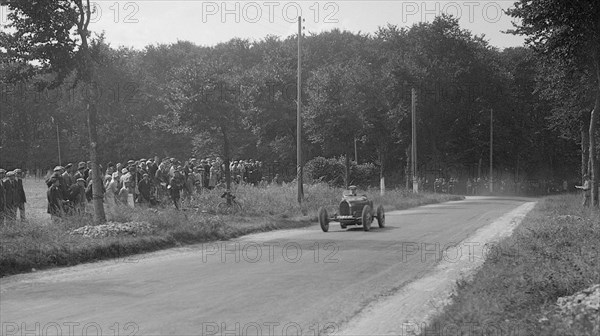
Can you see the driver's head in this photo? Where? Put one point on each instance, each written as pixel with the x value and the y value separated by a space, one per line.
pixel 352 190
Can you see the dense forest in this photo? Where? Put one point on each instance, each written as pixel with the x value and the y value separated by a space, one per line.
pixel 183 100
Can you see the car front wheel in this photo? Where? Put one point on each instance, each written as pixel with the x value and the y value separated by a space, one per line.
pixel 323 219
pixel 366 218
pixel 380 216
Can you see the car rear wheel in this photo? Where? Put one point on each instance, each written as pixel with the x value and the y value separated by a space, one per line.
pixel 380 216
pixel 323 219
pixel 366 218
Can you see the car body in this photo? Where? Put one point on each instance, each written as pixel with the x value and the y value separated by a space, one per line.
pixel 353 209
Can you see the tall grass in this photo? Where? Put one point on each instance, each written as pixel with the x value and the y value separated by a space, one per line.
pixel 282 201
pixel 553 253
pixel 38 244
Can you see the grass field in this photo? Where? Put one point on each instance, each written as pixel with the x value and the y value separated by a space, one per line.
pixel 40 243
pixel 553 253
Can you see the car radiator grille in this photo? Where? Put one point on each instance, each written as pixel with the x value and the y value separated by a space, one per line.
pixel 344 209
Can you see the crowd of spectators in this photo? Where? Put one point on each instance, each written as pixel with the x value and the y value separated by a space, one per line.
pixel 146 182
pixel 142 182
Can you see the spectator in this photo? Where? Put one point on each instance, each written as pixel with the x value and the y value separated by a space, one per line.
pixel 112 189
pixel 80 171
pixel 278 180
pixel 175 187
pixel 145 189
pixel 123 194
pixel 587 190
pixel 55 198
pixel 21 199
pixel 67 177
pixel 77 196
pixel 10 189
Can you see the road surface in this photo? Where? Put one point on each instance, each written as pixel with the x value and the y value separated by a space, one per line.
pixel 289 282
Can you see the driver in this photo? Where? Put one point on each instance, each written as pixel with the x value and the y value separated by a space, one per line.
pixel 352 190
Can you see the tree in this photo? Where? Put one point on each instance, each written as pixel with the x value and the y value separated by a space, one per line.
pixel 333 110
pixel 568 31
pixel 42 32
pixel 209 95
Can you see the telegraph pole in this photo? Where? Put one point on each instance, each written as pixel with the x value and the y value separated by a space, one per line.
pixel 355 151
pixel 57 140
pixel 414 140
pixel 299 117
pixel 491 150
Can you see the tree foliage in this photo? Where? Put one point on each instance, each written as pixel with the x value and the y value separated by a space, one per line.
pixel 238 100
pixel 567 35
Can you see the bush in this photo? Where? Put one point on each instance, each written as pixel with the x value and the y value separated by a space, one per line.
pixel 333 171
pixel 364 175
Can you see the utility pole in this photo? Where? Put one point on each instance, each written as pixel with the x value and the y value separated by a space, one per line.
pixel 299 117
pixel 355 151
pixel 491 150
pixel 414 140
pixel 57 140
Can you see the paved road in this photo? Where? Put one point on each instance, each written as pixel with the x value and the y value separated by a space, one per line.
pixel 273 283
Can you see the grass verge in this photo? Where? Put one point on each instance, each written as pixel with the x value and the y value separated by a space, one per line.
pixel 553 253
pixel 37 244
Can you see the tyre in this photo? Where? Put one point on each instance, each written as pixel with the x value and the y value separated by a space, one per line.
pixel 323 219
pixel 381 216
pixel 236 206
pixel 227 209
pixel 223 208
pixel 366 218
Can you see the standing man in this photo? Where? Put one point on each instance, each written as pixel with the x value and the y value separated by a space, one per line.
pixel 77 196
pixel 80 171
pixel 586 187
pixel 88 169
pixel 145 189
pixel 55 198
pixel 175 186
pixel 67 177
pixel 21 199
pixel 10 187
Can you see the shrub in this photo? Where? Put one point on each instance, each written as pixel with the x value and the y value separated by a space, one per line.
pixel 331 170
pixel 364 175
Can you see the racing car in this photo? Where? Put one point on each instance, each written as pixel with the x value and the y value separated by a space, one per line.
pixel 353 210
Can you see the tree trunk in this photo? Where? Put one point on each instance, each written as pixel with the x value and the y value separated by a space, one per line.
pixel 381 168
pixel 585 143
pixel 97 188
pixel 408 170
pixel 347 177
pixel 86 72
pixel 592 134
pixel 226 158
pixel 593 159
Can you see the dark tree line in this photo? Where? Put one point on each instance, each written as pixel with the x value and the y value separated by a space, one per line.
pixel 237 100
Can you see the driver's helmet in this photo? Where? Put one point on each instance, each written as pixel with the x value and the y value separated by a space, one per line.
pixel 352 189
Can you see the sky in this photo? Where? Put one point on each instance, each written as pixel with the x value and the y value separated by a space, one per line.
pixel 140 23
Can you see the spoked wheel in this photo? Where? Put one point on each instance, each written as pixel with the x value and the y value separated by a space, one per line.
pixel 381 216
pixel 366 218
pixel 227 209
pixel 323 219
